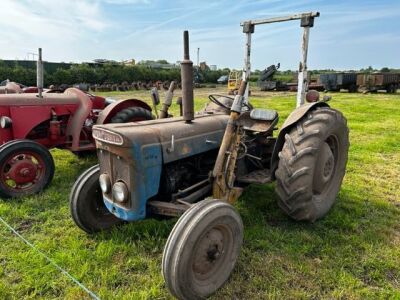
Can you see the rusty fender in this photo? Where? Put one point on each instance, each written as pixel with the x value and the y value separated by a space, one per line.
pixel 291 121
pixel 106 114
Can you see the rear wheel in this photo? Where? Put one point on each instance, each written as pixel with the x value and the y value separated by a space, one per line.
pixel 86 203
pixel 312 164
pixel 202 249
pixel 26 168
pixel 132 114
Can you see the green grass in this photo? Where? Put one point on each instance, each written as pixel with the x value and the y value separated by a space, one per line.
pixel 353 253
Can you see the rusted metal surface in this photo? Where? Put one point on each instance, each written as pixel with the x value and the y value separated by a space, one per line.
pixel 307 21
pixel 183 193
pixel 227 155
pixel 187 81
pixel 166 208
pixel 303 79
pixel 168 100
pixel 197 195
pixel 204 133
pixel 373 82
pixel 107 113
pixel 283 18
pixel 294 117
pixel 259 176
pixel 254 125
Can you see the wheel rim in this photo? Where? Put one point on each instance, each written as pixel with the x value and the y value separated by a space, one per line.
pixel 211 254
pixel 96 201
pixel 22 171
pixel 326 165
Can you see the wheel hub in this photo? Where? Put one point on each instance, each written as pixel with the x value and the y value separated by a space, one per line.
pixel 22 171
pixel 325 167
pixel 328 168
pixel 209 252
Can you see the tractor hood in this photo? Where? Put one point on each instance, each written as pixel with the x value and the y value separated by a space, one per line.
pixel 134 153
pixel 174 138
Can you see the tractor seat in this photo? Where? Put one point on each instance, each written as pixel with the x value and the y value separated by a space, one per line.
pixel 263 114
pixel 258 120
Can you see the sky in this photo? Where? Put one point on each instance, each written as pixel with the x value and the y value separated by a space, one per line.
pixel 347 35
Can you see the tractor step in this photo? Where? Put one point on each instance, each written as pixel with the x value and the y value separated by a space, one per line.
pixel 167 208
pixel 258 176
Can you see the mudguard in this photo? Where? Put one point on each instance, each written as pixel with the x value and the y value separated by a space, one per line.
pixel 291 121
pixel 111 110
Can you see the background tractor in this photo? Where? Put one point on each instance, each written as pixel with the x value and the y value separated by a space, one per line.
pixel 234 79
pixel 167 167
pixel 32 123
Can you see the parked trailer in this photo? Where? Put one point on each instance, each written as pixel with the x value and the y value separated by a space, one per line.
pixel 337 81
pixel 379 81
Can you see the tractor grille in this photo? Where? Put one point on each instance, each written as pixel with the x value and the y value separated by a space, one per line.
pixel 115 166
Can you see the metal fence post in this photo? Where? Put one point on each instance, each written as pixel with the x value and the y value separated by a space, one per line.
pixel 303 76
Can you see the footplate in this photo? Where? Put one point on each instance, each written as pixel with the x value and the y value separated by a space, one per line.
pixel 258 176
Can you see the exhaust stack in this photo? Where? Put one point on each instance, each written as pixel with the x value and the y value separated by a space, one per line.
pixel 187 81
pixel 39 74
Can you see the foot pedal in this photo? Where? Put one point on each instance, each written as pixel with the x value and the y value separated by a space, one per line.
pixel 258 176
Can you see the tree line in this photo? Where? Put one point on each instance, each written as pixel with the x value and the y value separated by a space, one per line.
pixel 100 74
pixel 61 73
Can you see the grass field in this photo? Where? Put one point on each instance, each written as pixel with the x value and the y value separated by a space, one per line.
pixel 353 253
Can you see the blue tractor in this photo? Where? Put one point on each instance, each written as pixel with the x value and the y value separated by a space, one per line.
pixel 169 166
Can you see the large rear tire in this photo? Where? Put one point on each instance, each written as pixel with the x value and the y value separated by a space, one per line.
pixel 132 114
pixel 202 249
pixel 312 164
pixel 86 203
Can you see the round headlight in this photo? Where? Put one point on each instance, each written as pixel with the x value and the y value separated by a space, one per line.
pixel 105 183
pixel 120 192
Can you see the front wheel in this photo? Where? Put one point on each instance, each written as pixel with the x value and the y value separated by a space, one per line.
pixel 26 168
pixel 86 203
pixel 202 249
pixel 312 164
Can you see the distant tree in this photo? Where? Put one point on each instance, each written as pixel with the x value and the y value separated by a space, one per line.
pixel 370 69
pixel 385 69
pixel 163 61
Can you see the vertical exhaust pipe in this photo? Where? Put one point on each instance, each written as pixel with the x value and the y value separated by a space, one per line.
pixel 187 81
pixel 39 74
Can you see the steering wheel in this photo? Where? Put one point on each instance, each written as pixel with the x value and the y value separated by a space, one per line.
pixel 213 99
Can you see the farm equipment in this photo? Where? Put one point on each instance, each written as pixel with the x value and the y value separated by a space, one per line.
pixel 337 81
pixel 32 123
pixel 234 79
pixel 266 81
pixel 379 81
pixel 166 167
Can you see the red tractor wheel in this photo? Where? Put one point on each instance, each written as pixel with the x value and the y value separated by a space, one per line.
pixel 26 168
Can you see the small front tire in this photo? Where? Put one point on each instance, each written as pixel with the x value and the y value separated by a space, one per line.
pixel 202 249
pixel 86 203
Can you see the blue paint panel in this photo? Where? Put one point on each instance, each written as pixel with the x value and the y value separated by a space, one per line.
pixel 145 182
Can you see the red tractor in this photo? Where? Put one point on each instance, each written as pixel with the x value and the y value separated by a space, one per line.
pixel 30 124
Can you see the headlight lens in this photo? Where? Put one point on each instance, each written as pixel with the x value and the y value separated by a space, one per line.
pixel 120 192
pixel 105 183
